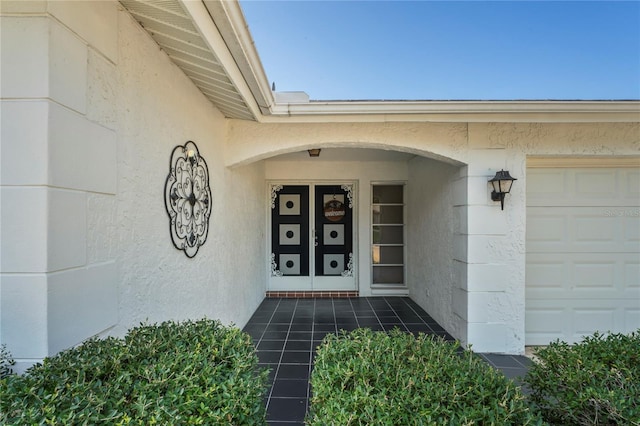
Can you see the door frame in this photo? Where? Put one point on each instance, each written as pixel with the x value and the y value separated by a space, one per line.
pixel 296 283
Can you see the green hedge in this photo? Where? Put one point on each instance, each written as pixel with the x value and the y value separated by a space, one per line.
pixel 375 378
pixel 173 373
pixel 594 382
pixel 6 362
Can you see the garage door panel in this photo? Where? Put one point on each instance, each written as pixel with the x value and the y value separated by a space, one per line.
pixel 632 186
pixel 593 276
pixel 605 187
pixel 545 229
pixel 546 185
pixel 631 271
pixel 586 320
pixel 550 324
pixel 597 186
pixel 582 275
pixel 571 322
pixel 631 320
pixel 546 275
pixel 580 229
pixel 594 229
pixel 583 253
pixel 631 229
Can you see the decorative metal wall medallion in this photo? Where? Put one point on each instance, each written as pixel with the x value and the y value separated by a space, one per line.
pixel 274 267
pixel 187 197
pixel 349 271
pixel 349 190
pixel 274 194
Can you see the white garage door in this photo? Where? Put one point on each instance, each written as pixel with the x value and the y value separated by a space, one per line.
pixel 583 251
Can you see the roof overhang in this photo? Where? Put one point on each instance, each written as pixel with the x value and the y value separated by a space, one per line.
pixel 225 65
pixel 461 111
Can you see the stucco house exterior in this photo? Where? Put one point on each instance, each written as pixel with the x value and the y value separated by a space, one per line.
pixel 96 95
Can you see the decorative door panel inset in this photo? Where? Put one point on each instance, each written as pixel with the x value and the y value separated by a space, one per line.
pixel 290 230
pixel 289 204
pixel 333 264
pixel 333 234
pixel 289 264
pixel 290 234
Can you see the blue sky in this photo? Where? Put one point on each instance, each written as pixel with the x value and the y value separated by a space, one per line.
pixel 454 50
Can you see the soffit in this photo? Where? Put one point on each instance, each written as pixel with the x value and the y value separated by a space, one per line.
pixel 173 28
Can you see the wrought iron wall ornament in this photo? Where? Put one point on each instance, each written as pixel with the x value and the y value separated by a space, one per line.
pixel 187 197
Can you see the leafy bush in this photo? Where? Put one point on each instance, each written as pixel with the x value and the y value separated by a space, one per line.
pixel 368 378
pixel 172 373
pixel 6 362
pixel 594 382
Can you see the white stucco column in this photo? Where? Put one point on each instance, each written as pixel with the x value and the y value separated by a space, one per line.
pixel 58 181
pixel 495 251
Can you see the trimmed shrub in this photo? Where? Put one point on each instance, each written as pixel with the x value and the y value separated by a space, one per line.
pixel 594 382
pixel 375 378
pixel 196 372
pixel 6 362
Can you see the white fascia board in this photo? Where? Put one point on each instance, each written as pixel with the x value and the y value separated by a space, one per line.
pixel 458 111
pixel 231 23
pixel 203 22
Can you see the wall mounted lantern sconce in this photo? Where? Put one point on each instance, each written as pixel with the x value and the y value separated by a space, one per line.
pixel 187 198
pixel 501 183
pixel 315 152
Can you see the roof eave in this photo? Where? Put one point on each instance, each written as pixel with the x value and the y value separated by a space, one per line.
pixel 218 42
pixel 468 111
pixel 233 28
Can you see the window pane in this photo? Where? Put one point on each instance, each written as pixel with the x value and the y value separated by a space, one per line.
pixel 387 255
pixel 384 194
pixel 388 234
pixel 388 214
pixel 388 275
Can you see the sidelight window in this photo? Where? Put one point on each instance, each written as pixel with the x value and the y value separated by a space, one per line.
pixel 387 235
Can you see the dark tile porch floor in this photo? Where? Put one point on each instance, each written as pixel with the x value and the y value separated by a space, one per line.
pixel 287 331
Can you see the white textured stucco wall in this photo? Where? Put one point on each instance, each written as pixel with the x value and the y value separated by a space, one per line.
pixel 95 109
pixel 58 271
pixel 159 108
pixel 432 223
pixel 251 141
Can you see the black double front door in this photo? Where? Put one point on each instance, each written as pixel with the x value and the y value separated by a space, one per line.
pixel 312 237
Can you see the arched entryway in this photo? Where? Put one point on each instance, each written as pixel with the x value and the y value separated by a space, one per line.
pixel 400 232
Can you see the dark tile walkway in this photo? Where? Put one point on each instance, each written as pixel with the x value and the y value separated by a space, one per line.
pixel 287 331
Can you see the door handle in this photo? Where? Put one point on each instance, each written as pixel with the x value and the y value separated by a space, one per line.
pixel 315 238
